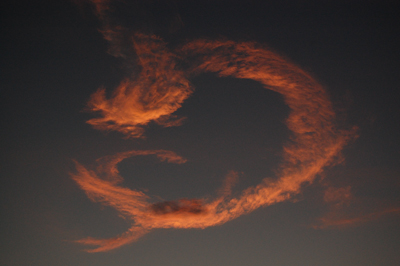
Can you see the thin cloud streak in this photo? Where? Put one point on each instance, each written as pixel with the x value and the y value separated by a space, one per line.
pixel 160 89
pixel 346 210
pixel 340 219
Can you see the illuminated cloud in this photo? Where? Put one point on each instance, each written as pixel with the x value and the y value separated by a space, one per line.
pixel 346 210
pixel 160 88
pixel 341 218
pixel 338 196
pixel 157 92
pixel 314 144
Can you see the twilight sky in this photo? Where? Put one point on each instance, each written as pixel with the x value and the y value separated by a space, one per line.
pixel 200 133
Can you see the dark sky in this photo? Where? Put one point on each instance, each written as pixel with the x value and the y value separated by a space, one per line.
pixel 54 57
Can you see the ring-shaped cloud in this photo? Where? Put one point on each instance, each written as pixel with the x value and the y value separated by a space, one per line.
pixel 160 89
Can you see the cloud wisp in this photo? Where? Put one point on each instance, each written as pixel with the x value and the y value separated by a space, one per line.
pixel 159 89
pixel 152 96
pixel 346 210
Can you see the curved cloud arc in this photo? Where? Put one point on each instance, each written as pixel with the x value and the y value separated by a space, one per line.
pixel 160 90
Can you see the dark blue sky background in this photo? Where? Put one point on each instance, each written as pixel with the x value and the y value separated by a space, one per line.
pixel 53 58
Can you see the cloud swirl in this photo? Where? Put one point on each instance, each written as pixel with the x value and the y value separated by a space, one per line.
pixel 160 88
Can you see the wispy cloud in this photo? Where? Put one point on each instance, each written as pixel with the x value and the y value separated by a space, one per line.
pixel 159 89
pixel 346 210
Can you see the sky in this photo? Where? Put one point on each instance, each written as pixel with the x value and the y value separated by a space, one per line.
pixel 200 133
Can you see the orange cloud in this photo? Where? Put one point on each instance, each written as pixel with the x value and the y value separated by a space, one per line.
pixel 157 92
pixel 160 88
pixel 338 196
pixel 342 219
pixel 345 210
pixel 314 144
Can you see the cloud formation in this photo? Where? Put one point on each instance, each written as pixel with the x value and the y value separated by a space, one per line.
pixel 152 96
pixel 158 91
pixel 346 210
